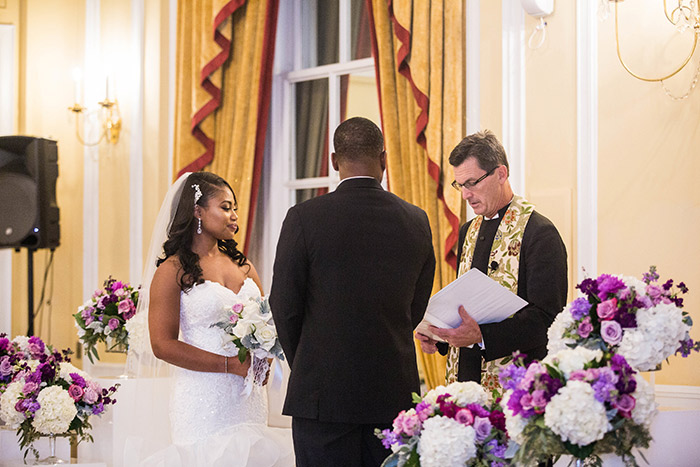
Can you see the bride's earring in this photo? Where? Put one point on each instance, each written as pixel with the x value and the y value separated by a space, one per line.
pixel 199 226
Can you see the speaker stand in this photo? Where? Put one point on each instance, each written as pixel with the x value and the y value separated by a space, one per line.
pixel 30 291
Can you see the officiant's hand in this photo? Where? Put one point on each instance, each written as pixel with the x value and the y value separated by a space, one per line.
pixel 427 344
pixel 464 335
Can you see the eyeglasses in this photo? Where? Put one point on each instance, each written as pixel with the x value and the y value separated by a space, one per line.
pixel 469 185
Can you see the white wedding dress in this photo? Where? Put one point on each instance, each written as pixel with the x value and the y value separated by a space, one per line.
pixel 213 423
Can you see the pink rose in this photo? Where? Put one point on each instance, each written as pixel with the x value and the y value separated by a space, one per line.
pixel 30 387
pixel 539 400
pixel 464 416
pixel 526 401
pixel 113 324
pixel 125 306
pixel 607 309
pixel 75 391
pixel 655 293
pixel 233 318
pixel 237 308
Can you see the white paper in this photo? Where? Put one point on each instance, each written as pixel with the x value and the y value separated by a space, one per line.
pixel 485 300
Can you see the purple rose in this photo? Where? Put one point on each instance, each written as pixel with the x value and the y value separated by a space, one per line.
pixel 482 426
pixel 611 332
pixel 113 323
pixel 464 416
pixel 5 366
pixel 75 391
pixel 580 308
pixel 608 284
pixel 624 404
pixel 607 309
pixel 90 396
pixel 585 327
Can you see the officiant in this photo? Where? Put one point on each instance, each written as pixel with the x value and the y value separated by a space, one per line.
pixel 517 247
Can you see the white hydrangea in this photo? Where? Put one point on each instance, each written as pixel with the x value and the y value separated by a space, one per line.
pixel 56 412
pixel 575 415
pixel 445 442
pixel 433 394
pixel 67 368
pixel 645 407
pixel 515 424
pixel 8 399
pixel 555 333
pixel 571 359
pixel 656 337
pixel 464 393
pixel 632 282
pixel 137 327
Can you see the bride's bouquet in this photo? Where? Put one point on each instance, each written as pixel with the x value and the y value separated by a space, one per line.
pixel 42 393
pixel 102 318
pixel 452 425
pixel 577 401
pixel 640 320
pixel 248 328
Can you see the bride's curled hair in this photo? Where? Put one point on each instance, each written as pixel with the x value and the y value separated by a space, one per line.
pixel 182 227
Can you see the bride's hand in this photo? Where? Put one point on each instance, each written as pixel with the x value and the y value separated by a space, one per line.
pixel 237 368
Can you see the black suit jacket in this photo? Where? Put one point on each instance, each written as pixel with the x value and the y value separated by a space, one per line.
pixel 542 282
pixel 352 277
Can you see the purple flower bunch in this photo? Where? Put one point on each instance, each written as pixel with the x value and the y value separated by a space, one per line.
pixel 576 399
pixel 41 392
pixel 622 315
pixel 462 405
pixel 102 318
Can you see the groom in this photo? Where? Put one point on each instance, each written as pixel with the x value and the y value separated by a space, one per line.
pixel 352 277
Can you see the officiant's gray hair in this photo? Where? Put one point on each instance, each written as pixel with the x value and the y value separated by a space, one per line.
pixel 482 146
pixel 358 138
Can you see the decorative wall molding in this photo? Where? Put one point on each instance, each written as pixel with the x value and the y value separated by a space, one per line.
pixel 473 66
pixel 587 138
pixel 513 85
pixel 136 146
pixel 91 172
pixel 7 126
pixel 683 397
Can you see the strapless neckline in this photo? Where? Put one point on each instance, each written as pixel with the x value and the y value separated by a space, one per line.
pixel 220 285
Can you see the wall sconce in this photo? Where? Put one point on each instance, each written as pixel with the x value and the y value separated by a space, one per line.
pixel 684 15
pixel 108 115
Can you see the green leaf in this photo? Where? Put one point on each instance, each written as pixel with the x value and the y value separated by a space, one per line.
pixel 242 354
pixel 416 398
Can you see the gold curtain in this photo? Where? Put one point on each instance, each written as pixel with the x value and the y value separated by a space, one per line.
pixel 224 63
pixel 419 52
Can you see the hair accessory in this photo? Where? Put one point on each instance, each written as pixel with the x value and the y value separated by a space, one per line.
pixel 197 193
pixel 199 226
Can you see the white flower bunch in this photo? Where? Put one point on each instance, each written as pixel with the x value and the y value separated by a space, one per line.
pixel 575 415
pixel 445 442
pixel 556 339
pixel 8 400
pixel 137 328
pixel 464 393
pixel 645 408
pixel 658 331
pixel 571 359
pixel 56 412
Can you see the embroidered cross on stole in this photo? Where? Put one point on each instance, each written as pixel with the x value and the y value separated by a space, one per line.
pixel 505 251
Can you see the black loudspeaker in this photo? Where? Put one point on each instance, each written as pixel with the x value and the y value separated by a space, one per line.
pixel 29 215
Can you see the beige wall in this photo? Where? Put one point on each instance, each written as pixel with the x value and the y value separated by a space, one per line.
pixel 52 43
pixel 648 152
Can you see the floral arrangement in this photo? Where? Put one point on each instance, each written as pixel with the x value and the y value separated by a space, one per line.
pixel 249 328
pixel 640 320
pixel 452 425
pixel 103 317
pixel 577 401
pixel 42 393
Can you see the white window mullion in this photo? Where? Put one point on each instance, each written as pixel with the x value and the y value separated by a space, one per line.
pixel 333 122
pixel 344 30
pixel 323 71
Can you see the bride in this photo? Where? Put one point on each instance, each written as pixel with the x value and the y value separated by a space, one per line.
pixel 214 420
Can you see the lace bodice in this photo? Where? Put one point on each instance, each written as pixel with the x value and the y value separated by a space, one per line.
pixel 203 403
